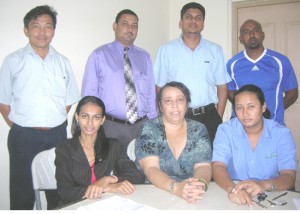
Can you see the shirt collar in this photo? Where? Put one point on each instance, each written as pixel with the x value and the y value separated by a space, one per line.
pixel 30 50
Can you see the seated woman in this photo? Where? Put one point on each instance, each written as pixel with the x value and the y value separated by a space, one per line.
pixel 85 162
pixel 174 152
pixel 258 152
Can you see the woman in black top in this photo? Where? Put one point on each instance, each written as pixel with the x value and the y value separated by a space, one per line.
pixel 89 163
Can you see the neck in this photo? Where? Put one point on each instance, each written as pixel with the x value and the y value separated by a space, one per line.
pixel 170 127
pixel 256 130
pixel 191 40
pixel 87 141
pixel 255 53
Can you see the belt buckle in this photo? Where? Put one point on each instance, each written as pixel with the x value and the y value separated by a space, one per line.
pixel 201 110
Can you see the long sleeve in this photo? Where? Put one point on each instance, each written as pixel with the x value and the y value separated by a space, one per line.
pixel 72 173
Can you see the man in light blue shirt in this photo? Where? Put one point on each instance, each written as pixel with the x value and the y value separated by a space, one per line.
pixel 199 64
pixel 37 90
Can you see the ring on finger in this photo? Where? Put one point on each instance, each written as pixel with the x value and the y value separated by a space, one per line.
pixel 236 200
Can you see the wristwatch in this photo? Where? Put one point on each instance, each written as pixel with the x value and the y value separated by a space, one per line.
pixel 171 187
pixel 272 186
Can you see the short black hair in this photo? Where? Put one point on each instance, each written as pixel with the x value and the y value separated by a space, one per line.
pixel 125 11
pixel 39 11
pixel 193 5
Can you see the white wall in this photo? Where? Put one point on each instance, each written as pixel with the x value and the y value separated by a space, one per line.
pixel 84 25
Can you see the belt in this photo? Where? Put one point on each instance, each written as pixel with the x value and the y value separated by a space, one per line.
pixel 42 128
pixel 48 128
pixel 201 109
pixel 125 122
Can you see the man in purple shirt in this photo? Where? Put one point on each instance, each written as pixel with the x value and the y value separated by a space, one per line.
pixel 104 78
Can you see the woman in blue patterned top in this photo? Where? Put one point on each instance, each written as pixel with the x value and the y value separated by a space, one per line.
pixel 173 151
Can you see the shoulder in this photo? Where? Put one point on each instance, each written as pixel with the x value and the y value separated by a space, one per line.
pixel 68 145
pixel 275 128
pixel 232 124
pixel 114 144
pixel 140 50
pixel 16 55
pixel 210 44
pixel 172 44
pixel 237 56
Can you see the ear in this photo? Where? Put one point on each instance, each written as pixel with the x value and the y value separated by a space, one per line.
pixel 264 107
pixel 114 26
pixel 240 38
pixel 26 31
pixel 180 24
pixel 103 120
pixel 76 117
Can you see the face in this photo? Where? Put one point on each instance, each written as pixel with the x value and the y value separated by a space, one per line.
pixel 249 110
pixel 192 22
pixel 126 29
pixel 40 32
pixel 90 119
pixel 252 36
pixel 173 105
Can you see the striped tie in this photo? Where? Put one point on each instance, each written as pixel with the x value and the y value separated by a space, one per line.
pixel 131 100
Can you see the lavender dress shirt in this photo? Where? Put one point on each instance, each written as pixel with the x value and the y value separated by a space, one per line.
pixel 104 78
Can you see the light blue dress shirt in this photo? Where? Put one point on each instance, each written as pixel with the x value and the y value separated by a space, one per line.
pixel 200 70
pixel 104 78
pixel 37 90
pixel 275 151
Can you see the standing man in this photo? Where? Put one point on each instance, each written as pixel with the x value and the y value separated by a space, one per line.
pixel 269 70
pixel 197 63
pixel 37 89
pixel 121 74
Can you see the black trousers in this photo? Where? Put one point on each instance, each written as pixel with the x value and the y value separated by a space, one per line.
pixel 211 119
pixel 23 144
pixel 124 133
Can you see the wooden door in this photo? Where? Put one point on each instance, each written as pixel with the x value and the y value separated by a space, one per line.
pixel 280 21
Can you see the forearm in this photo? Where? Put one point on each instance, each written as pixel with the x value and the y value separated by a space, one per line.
pixel 290 97
pixel 203 172
pixel 158 178
pixel 285 181
pixel 222 178
pixel 222 94
pixel 5 109
pixel 68 108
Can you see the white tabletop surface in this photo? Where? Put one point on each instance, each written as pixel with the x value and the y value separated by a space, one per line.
pixel 214 199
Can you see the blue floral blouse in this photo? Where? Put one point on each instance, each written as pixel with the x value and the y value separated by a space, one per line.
pixel 151 141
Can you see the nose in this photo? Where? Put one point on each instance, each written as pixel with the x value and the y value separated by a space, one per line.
pixel 90 121
pixel 174 104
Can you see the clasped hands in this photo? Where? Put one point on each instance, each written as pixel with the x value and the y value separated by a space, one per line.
pixel 191 189
pixel 244 191
pixel 108 184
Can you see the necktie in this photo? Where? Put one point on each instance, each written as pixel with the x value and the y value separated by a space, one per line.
pixel 131 100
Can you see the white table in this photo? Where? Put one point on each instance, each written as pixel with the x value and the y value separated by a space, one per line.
pixel 214 199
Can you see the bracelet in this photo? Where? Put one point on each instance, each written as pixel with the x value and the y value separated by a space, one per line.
pixel 205 183
pixel 171 187
pixel 114 177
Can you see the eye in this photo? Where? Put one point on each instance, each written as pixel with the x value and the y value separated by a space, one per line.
pixel 83 116
pixel 238 108
pixel 98 117
pixel 251 107
pixel 181 100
